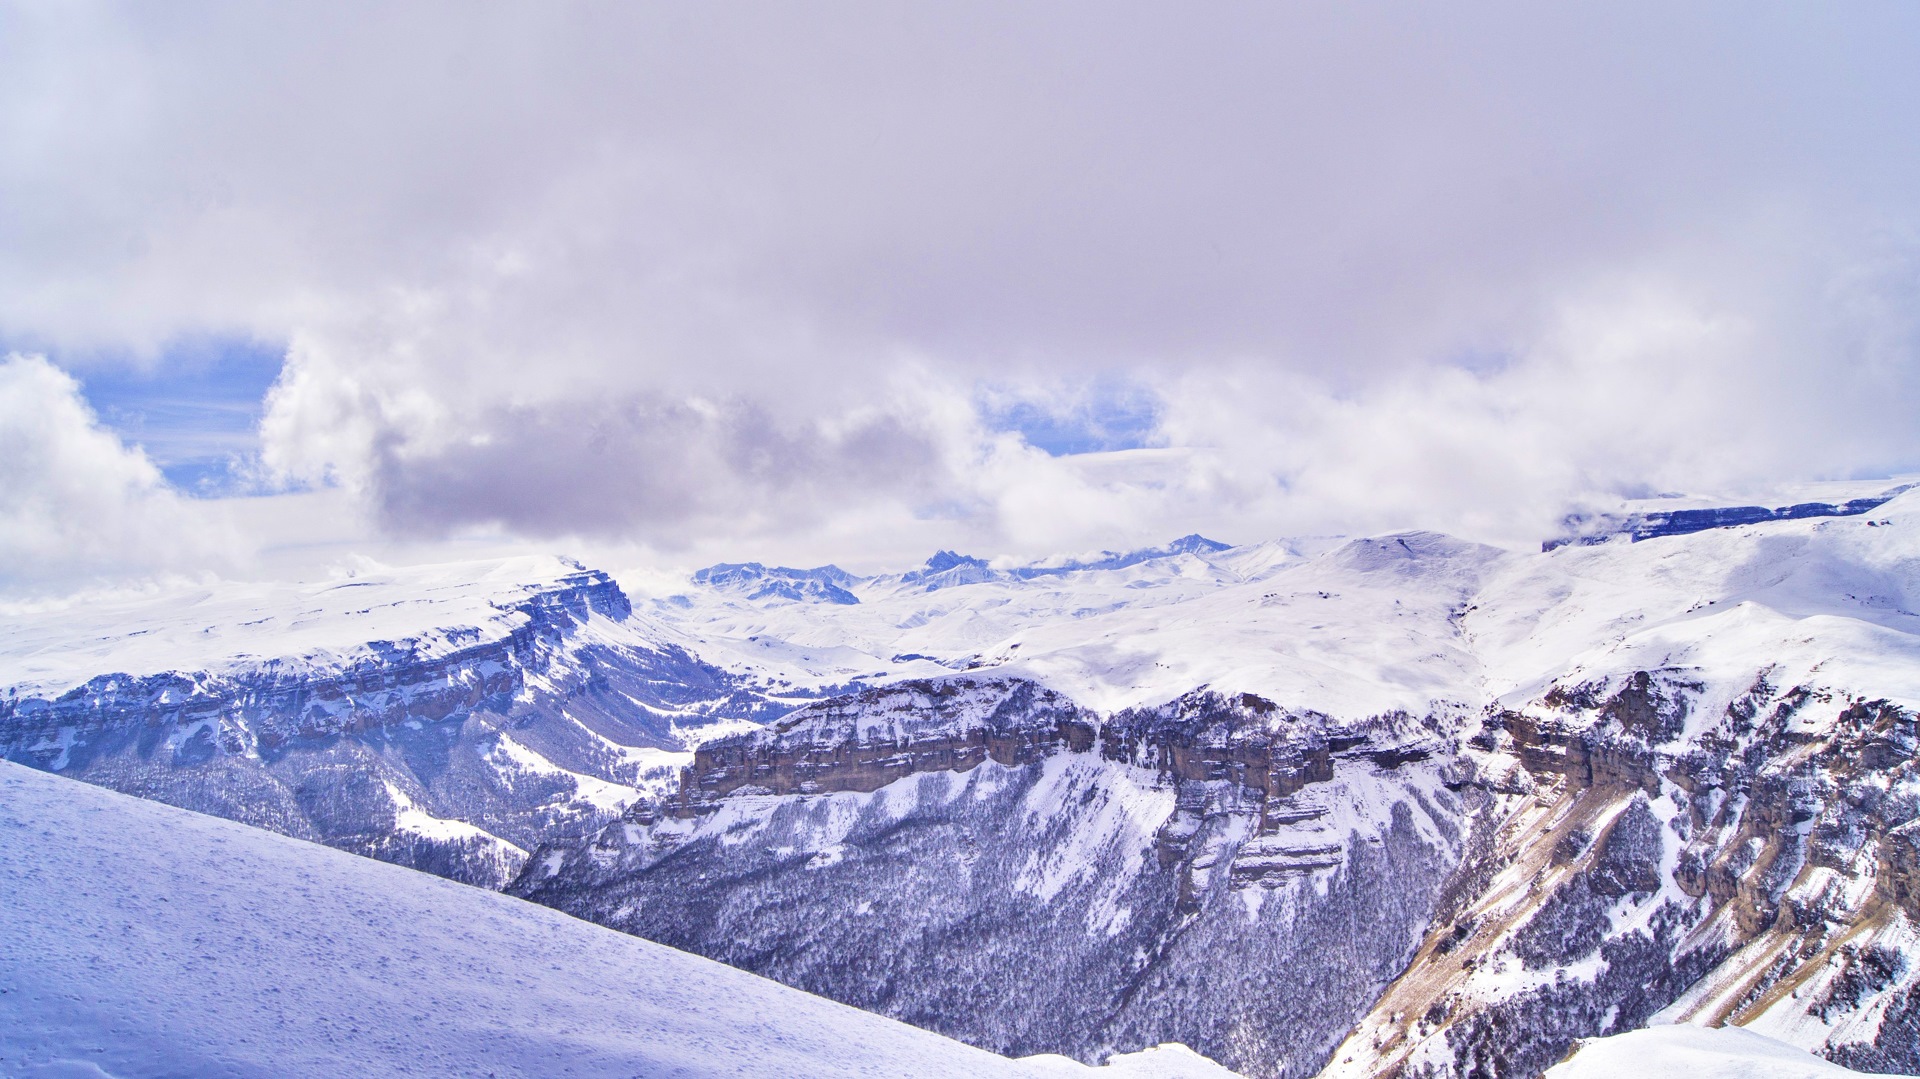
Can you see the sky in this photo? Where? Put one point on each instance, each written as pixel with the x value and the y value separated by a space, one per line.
pixel 674 284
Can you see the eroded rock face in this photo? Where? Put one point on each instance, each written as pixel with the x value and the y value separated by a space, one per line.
pixel 1452 894
pixel 864 741
pixel 1757 871
pixel 984 858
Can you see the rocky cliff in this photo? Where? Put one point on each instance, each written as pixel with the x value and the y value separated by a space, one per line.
pixel 1753 872
pixel 1403 807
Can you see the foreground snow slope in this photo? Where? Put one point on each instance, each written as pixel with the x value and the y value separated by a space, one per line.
pixel 1694 1052
pixel 143 940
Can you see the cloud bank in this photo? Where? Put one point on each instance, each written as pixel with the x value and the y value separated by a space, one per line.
pixel 768 280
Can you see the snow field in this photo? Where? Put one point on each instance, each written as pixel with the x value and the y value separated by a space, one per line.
pixel 1666 1052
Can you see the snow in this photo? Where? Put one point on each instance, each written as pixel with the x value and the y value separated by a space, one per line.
pixel 1299 621
pixel 1822 591
pixel 1412 622
pixel 1120 808
pixel 146 941
pixel 48 647
pixel 950 626
pixel 411 818
pixel 510 758
pixel 1415 622
pixel 1170 1061
pixel 1695 1052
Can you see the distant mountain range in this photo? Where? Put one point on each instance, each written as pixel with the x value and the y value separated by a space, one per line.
pixel 831 584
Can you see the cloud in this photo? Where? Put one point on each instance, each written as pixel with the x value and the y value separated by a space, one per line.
pixel 77 505
pixel 720 274
pixel 645 468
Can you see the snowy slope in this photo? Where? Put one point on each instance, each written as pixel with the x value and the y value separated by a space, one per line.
pixel 1295 621
pixel 1665 751
pixel 1353 629
pixel 443 717
pixel 1662 1052
pixel 1347 629
pixel 1847 587
pixel 926 623
pixel 1342 627
pixel 147 941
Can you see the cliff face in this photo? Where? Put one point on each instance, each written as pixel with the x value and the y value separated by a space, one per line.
pixel 1754 872
pixel 982 857
pixel 864 741
pixel 454 762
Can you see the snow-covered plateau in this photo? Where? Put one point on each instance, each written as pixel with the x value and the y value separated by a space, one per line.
pixel 1399 805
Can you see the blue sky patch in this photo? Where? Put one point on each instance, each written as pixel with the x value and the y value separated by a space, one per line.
pixel 196 411
pixel 1105 415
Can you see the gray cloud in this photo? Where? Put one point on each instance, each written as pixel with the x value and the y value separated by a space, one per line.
pixel 662 472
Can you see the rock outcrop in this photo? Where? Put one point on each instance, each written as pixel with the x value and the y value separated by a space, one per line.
pixel 1757 872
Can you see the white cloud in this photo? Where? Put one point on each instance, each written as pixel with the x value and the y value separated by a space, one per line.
pixel 77 505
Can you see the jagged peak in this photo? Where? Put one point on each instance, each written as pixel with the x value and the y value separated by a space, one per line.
pixel 1195 543
pixel 946 560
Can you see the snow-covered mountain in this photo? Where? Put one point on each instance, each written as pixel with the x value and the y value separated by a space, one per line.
pixel 1399 805
pixel 447 718
pixel 1027 875
pixel 144 941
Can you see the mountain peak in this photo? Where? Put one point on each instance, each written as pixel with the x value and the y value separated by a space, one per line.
pixel 946 560
pixel 1195 543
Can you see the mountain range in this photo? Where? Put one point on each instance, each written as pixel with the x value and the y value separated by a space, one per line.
pixel 1397 805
